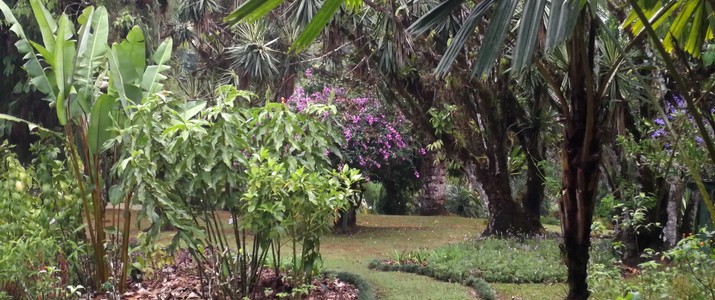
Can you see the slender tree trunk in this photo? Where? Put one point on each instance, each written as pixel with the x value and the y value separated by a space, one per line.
pixel 671 228
pixel 432 195
pixel 580 156
pixel 528 131
pixel 535 187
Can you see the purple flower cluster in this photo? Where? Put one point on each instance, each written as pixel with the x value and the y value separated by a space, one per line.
pixel 675 108
pixel 375 139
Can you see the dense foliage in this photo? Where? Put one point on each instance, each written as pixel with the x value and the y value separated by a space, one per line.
pixel 44 251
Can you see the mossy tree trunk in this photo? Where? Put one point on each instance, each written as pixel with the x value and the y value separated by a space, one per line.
pixel 432 194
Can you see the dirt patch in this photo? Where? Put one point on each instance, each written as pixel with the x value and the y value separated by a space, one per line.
pixel 180 280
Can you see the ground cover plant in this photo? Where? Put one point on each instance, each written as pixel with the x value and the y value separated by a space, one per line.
pixel 534 260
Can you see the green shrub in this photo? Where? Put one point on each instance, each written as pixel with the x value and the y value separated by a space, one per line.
pixel 40 252
pixel 688 274
pixel 267 166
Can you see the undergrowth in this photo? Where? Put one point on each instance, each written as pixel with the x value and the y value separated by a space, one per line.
pixel 501 260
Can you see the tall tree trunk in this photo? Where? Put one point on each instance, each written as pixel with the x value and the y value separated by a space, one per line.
pixel 671 227
pixel 535 188
pixel 528 132
pixel 432 195
pixel 580 156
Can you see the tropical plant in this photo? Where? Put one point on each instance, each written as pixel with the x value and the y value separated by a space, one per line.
pixel 40 222
pixel 266 166
pixel 70 72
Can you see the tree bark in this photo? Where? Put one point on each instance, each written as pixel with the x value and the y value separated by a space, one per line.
pixel 671 227
pixel 432 195
pixel 580 156
pixel 348 220
pixel 506 216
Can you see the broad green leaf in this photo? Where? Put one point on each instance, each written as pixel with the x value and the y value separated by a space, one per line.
pixel 529 24
pixel 91 52
pixel 677 31
pixel 99 122
pixel 462 36
pixel 32 65
pixel 192 108
pixel 62 65
pixel 494 37
pixel 656 14
pixel 45 22
pixel 30 125
pixel 46 54
pixel 251 10
pixel 151 80
pixel 116 195
pixel 698 31
pixel 126 65
pixel 311 32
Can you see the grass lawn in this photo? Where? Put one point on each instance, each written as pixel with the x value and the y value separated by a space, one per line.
pixel 381 236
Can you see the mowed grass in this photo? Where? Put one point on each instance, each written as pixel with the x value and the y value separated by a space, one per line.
pixel 381 236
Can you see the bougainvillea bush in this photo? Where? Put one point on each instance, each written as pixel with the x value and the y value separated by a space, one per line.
pixel 379 139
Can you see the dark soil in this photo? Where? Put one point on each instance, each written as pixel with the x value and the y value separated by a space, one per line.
pixel 179 279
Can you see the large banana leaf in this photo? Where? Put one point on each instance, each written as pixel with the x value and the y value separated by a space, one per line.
pixel 311 32
pixel 30 125
pixel 62 64
pixel 438 14
pixel 463 35
pixel 251 10
pixel 91 52
pixel 531 21
pixel 151 80
pixel 99 121
pixel 563 15
pixel 127 64
pixel 46 22
pixel 494 38
pixel 32 65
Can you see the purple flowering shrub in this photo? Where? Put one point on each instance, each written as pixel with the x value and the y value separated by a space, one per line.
pixel 378 140
pixel 687 141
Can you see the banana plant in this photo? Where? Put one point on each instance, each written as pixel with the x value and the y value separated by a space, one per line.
pixel 70 67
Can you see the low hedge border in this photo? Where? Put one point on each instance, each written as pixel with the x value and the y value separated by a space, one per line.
pixel 365 290
pixel 478 284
